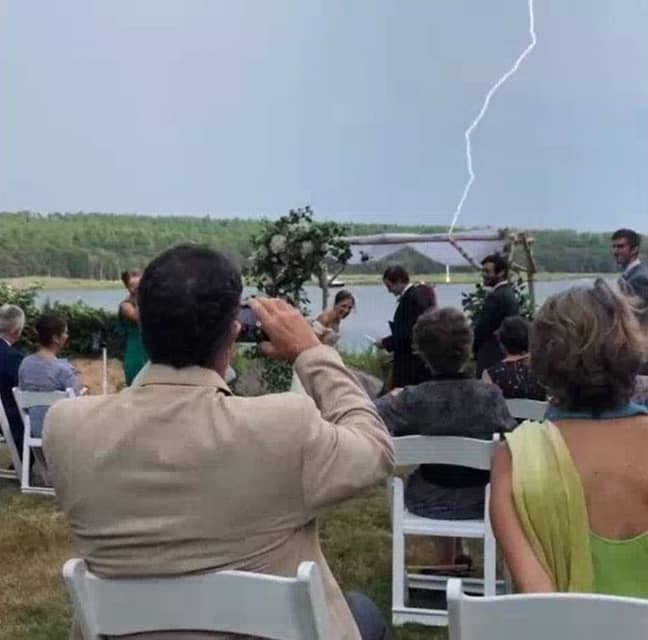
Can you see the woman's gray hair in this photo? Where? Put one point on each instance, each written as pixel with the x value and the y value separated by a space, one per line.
pixel 12 318
pixel 443 339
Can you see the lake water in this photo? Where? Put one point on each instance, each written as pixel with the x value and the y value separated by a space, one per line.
pixel 375 307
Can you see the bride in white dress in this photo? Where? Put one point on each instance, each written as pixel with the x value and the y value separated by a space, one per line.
pixel 327 326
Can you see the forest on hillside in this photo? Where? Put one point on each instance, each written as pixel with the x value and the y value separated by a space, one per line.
pixel 101 245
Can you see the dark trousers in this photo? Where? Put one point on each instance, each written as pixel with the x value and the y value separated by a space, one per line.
pixel 17 431
pixel 367 616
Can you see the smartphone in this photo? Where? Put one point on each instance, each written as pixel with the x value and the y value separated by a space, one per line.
pixel 250 330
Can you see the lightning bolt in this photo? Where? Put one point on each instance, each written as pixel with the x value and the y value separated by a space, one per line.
pixel 484 109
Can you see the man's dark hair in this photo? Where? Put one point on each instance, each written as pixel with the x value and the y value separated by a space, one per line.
pixel 498 262
pixel 48 326
pixel 514 335
pixel 633 238
pixel 396 273
pixel 188 298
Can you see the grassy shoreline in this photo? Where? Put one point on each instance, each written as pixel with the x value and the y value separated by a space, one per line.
pixel 55 282
pixel 350 279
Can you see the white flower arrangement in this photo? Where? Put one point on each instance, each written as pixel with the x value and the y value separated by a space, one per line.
pixel 277 243
pixel 307 248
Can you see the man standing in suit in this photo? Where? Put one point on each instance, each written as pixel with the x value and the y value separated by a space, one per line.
pixel 499 303
pixel 634 279
pixel 175 475
pixel 12 323
pixel 413 300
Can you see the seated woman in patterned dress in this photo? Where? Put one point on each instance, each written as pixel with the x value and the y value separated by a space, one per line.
pixel 513 375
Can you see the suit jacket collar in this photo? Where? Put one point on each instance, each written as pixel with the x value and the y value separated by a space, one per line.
pixel 405 290
pixel 631 268
pixel 187 376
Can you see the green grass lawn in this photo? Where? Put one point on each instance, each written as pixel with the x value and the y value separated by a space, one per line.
pixel 35 541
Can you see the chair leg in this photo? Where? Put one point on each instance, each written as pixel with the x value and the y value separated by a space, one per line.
pixel 490 564
pixel 508 581
pixel 399 576
pixel 24 480
pixel 40 464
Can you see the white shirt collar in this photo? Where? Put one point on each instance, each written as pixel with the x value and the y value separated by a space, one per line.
pixel 632 265
pixel 500 284
pixel 7 341
pixel 409 286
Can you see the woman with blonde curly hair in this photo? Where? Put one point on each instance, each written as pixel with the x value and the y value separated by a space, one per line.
pixel 569 494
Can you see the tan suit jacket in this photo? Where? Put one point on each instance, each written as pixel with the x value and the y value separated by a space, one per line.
pixel 176 475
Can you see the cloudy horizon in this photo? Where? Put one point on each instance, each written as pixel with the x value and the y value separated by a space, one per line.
pixel 358 109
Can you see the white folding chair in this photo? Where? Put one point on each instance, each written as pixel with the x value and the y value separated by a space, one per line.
pixel 415 450
pixel 6 438
pixel 229 601
pixel 539 616
pixel 25 401
pixel 524 409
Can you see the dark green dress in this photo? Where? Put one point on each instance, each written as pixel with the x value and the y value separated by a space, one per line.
pixel 135 356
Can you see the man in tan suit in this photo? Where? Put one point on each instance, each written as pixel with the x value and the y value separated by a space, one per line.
pixel 176 475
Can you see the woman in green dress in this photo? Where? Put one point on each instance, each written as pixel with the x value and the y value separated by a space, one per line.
pixel 569 494
pixel 135 356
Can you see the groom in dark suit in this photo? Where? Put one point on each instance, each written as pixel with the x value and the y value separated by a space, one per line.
pixel 12 322
pixel 413 300
pixel 499 304
pixel 634 279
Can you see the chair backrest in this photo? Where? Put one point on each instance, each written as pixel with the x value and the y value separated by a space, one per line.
pixel 524 409
pixel 239 602
pixel 28 399
pixel 464 452
pixel 5 431
pixel 538 616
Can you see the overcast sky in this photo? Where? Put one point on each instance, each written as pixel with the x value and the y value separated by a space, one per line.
pixel 357 107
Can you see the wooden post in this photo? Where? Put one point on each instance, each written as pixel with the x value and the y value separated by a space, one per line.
pixel 324 285
pixel 531 267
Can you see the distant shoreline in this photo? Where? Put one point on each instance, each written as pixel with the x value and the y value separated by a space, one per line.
pixel 47 283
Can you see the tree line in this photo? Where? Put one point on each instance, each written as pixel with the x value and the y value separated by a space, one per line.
pixel 101 245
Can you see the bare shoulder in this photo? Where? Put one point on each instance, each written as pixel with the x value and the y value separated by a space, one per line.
pixel 324 318
pixel 126 305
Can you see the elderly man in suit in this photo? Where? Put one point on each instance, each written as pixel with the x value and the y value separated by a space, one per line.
pixel 413 300
pixel 634 279
pixel 500 303
pixel 12 323
pixel 176 475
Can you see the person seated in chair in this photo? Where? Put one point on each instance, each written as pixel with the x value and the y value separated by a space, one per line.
pixel 513 375
pixel 12 323
pixel 452 403
pixel 44 370
pixel 568 499
pixel 175 475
